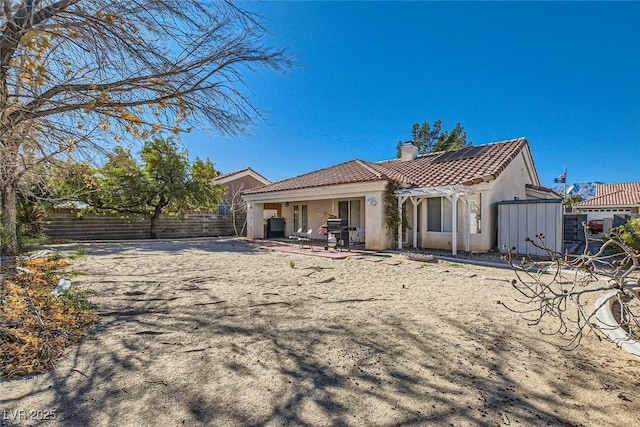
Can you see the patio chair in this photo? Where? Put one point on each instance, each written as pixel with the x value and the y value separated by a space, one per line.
pixel 294 237
pixel 305 239
pixel 358 237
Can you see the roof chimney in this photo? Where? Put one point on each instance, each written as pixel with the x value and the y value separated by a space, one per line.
pixel 409 151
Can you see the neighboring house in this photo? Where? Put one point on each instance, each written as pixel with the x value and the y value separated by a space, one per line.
pixel 610 200
pixel 236 182
pixel 450 198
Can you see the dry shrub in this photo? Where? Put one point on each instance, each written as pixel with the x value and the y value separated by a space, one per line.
pixel 35 326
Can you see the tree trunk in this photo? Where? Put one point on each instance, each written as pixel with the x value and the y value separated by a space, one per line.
pixel 9 236
pixel 153 231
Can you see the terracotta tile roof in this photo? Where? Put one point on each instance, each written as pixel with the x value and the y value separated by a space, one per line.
pixel 485 166
pixel 618 194
pixel 603 189
pixel 424 171
pixel 617 198
pixel 345 173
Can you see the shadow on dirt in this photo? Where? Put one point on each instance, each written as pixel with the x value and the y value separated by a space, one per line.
pixel 173 352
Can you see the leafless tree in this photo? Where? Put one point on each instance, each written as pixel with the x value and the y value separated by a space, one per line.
pixel 77 76
pixel 564 289
pixel 238 208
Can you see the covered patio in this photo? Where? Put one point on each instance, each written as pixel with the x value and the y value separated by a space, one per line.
pixel 308 209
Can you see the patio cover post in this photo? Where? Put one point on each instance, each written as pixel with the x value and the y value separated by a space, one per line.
pixel 467 228
pixel 415 221
pixel 454 224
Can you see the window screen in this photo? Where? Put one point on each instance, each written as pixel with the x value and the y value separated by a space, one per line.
pixel 434 214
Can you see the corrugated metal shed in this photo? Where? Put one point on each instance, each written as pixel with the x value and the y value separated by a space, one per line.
pixel 522 219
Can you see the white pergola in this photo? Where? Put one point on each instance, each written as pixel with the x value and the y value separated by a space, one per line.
pixel 454 193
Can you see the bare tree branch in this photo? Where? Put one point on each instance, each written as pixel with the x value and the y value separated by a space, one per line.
pixel 559 295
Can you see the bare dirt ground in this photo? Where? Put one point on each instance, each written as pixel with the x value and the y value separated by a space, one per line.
pixel 223 333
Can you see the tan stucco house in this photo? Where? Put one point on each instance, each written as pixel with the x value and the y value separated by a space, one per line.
pixel 235 183
pixel 449 198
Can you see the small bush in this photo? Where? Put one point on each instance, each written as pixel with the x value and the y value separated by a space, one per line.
pixel 56 256
pixel 79 253
pixel 77 299
pixel 630 233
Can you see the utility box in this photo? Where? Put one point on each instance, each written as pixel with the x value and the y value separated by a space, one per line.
pixel 275 227
pixel 522 219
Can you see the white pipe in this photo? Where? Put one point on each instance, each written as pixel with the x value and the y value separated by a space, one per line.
pixel 607 321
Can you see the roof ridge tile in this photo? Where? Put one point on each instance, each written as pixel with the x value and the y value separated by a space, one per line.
pixel 369 168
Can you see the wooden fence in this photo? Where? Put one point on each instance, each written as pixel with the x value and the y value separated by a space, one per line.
pixel 68 224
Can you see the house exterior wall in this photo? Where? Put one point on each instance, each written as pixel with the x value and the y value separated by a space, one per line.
pixel 510 185
pixel 377 236
pixel 483 241
pixel 240 184
pixel 430 239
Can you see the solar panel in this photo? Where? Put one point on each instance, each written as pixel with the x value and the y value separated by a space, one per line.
pixel 463 153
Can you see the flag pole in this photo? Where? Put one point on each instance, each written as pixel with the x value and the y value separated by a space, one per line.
pixel 565 182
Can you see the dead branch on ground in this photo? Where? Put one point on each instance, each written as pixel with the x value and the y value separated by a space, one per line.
pixel 558 294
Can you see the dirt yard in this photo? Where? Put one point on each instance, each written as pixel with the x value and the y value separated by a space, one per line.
pixel 220 332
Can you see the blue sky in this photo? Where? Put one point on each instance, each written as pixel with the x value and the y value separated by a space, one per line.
pixel 564 75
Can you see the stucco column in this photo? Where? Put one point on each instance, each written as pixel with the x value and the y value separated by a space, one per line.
pixel 467 224
pixel 255 220
pixel 376 237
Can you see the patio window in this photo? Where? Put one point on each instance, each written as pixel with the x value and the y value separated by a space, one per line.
pixel 300 217
pixel 434 214
pixel 223 210
pixel 439 212
pixel 350 210
pixel 304 217
pixel 475 212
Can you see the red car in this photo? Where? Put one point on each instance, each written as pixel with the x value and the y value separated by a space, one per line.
pixel 595 225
